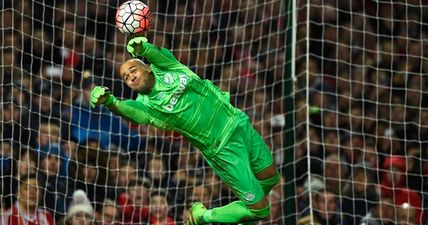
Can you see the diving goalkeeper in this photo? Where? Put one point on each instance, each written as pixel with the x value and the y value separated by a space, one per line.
pixel 172 97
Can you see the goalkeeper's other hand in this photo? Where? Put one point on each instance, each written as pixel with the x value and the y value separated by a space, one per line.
pixel 99 95
pixel 134 45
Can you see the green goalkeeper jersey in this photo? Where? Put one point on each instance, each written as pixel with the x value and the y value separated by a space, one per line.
pixel 182 102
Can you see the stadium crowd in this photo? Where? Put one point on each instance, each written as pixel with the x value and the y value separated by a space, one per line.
pixel 64 163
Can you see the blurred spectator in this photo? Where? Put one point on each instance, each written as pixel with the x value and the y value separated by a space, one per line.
pixel 26 162
pixel 158 173
pixel 134 204
pixel 49 137
pixel 13 124
pixel 44 105
pixel 159 209
pixel 80 211
pixel 10 60
pixel 335 172
pixel 26 210
pixel 70 149
pixel 36 50
pixel 359 196
pixel 66 52
pixel 110 214
pixel 331 142
pixel 113 167
pixel 393 175
pixel 13 169
pixel 325 210
pixel 351 148
pixel 99 15
pixel 388 142
pixel 55 185
pixel 369 159
pixel 20 90
pixel 92 54
pixel 381 214
pixel 91 176
pixel 127 175
pixel 393 184
pixel 48 133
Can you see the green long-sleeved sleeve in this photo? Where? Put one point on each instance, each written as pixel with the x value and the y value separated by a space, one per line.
pixel 159 57
pixel 130 110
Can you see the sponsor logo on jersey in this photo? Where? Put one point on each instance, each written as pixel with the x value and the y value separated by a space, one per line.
pixel 176 96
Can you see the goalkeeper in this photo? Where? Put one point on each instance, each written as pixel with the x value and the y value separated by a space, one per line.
pixel 172 97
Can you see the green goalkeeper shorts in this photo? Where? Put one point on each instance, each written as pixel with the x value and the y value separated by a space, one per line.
pixel 243 156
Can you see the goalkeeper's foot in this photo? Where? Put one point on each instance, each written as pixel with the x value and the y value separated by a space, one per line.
pixel 196 212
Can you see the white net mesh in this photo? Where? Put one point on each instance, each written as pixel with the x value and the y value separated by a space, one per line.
pixel 52 144
pixel 361 118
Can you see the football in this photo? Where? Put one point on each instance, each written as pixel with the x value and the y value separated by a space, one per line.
pixel 133 17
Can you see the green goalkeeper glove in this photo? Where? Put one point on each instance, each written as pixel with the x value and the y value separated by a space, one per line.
pixel 135 45
pixel 101 95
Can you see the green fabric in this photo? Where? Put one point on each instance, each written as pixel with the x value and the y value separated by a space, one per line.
pixel 247 223
pixel 96 93
pixel 234 212
pixel 110 100
pixel 267 184
pixel 260 214
pixel 196 212
pixel 182 102
pixel 137 41
pixel 241 158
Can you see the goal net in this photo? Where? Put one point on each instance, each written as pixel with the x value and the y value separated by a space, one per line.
pixel 361 112
pixel 63 161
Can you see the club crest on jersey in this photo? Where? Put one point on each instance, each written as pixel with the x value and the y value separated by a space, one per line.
pixel 176 96
pixel 168 79
pixel 249 196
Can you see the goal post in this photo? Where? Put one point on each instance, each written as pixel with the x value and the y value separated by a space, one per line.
pixel 289 103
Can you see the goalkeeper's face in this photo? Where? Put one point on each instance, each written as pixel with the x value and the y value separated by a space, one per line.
pixel 137 76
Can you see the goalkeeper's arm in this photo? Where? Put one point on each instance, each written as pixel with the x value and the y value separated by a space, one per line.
pixel 161 57
pixel 129 109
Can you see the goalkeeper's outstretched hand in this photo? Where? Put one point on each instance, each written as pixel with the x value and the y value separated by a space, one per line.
pixel 100 95
pixel 134 45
